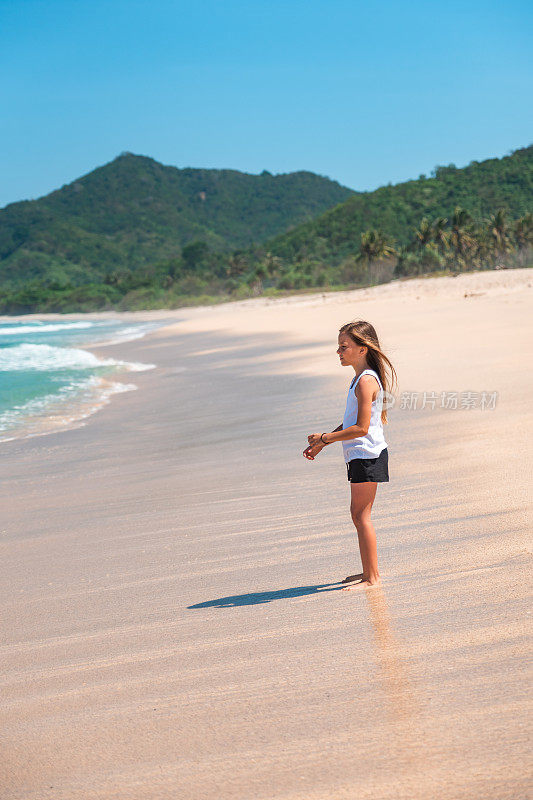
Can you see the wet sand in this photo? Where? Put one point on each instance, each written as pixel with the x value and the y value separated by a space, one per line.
pixel 173 622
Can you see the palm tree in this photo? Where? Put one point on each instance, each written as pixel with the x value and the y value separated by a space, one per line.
pixel 237 264
pixel 482 251
pixel 272 265
pixel 402 262
pixel 373 246
pixel 424 234
pixel 431 239
pixel 499 234
pixel 461 240
pixel 256 279
pixel 441 236
pixel 523 233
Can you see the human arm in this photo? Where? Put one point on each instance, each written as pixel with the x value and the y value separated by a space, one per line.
pixel 314 449
pixel 364 392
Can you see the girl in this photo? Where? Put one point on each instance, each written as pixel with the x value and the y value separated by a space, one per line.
pixel 361 434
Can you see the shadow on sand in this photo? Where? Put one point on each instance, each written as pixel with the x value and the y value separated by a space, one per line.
pixel 267 597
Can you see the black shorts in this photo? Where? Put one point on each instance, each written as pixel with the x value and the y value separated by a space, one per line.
pixel 362 470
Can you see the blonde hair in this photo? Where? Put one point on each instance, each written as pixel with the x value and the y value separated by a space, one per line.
pixel 364 335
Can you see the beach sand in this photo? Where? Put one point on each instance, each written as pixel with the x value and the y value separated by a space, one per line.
pixel 173 624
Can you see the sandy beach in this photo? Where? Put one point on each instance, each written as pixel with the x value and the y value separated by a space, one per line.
pixel 173 625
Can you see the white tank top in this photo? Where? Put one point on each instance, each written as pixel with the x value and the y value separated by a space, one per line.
pixel 371 445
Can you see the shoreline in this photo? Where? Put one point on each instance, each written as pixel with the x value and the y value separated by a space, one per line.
pixel 76 411
pixel 466 285
pixel 53 412
pixel 490 280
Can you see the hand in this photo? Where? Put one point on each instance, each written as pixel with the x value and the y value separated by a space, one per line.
pixel 312 451
pixel 314 438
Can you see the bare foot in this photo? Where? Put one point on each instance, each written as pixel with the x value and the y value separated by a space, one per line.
pixel 351 578
pixel 362 584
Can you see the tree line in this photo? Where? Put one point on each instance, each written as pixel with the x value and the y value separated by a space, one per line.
pixel 200 275
pixel 459 244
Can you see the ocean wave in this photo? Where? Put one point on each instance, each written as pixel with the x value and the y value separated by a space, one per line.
pixel 43 327
pixel 59 410
pixel 46 358
pixel 126 335
pixel 47 384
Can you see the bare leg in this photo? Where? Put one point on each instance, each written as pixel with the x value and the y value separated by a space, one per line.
pixel 362 498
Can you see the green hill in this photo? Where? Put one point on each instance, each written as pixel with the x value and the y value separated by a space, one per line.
pixel 135 234
pixel 134 212
pixel 481 188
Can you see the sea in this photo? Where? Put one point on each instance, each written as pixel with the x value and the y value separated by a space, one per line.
pixel 49 381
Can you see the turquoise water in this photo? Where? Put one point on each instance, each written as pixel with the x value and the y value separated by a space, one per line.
pixel 48 380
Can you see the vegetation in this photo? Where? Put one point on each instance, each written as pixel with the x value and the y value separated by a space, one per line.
pixel 134 213
pixel 482 188
pixel 465 244
pixel 449 237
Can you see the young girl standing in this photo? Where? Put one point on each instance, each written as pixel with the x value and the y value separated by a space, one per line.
pixel 361 433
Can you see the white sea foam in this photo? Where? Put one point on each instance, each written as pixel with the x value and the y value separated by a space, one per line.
pixel 83 377
pixel 38 405
pixel 59 410
pixel 45 357
pixel 42 327
pixel 127 335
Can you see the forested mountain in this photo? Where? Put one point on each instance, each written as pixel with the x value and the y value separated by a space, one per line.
pixel 135 211
pixel 135 234
pixel 481 188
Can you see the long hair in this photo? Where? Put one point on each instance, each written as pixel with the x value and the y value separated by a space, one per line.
pixel 364 335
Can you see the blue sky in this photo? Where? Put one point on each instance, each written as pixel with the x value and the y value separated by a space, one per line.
pixel 365 93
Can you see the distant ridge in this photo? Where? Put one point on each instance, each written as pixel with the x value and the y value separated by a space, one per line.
pixel 135 234
pixel 395 210
pixel 134 211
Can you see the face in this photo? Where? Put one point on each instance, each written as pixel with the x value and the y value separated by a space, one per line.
pixel 350 353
